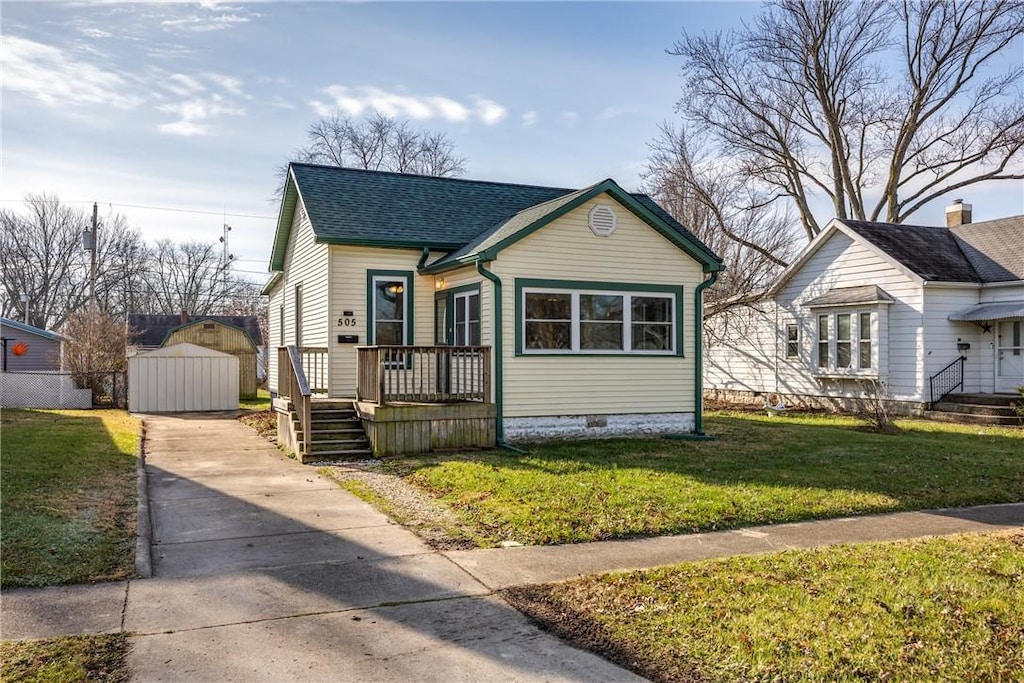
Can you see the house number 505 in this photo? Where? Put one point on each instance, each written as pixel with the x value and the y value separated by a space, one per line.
pixel 346 322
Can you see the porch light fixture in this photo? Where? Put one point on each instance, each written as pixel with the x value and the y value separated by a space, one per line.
pixel 439 283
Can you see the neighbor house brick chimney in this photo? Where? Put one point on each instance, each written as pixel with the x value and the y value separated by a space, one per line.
pixel 184 315
pixel 958 213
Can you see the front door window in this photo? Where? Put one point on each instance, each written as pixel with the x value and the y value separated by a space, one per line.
pixel 390 314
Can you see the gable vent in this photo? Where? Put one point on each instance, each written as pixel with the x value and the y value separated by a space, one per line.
pixel 602 220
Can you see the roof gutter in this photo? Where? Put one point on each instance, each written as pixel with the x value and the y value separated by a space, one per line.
pixel 698 335
pixel 481 268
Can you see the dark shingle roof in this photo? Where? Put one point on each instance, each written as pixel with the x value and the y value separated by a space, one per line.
pixel 355 206
pixel 930 252
pixel 151 329
pixel 994 248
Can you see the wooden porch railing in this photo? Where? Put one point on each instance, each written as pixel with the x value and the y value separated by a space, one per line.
pixel 423 374
pixel 314 365
pixel 292 382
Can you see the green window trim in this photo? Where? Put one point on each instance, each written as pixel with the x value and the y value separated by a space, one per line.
pixel 623 287
pixel 410 303
pixel 448 295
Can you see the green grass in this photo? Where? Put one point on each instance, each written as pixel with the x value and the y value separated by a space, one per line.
pixel 261 402
pixel 68 497
pixel 936 609
pixel 758 471
pixel 79 658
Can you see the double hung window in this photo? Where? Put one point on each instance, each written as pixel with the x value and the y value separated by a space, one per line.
pixel 845 342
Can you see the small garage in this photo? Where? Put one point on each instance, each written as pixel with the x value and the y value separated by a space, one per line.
pixel 182 378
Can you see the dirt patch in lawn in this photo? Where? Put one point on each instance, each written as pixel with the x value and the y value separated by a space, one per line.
pixel 432 521
pixel 264 422
pixel 77 658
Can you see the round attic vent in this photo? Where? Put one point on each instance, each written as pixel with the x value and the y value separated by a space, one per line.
pixel 602 220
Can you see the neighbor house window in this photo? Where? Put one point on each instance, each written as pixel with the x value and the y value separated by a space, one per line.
pixel 792 341
pixel 823 342
pixel 864 336
pixel 844 341
pixel 843 332
pixel 390 310
pixel 597 321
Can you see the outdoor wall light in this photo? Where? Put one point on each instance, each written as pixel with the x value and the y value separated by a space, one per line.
pixel 439 283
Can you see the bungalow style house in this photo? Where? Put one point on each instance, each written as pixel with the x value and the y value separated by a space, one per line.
pixel 925 311
pixel 441 312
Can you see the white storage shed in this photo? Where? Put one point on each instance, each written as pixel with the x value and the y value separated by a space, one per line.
pixel 182 378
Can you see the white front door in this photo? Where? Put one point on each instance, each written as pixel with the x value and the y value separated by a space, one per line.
pixel 1009 355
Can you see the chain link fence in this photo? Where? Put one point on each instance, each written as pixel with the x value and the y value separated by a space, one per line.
pixel 63 390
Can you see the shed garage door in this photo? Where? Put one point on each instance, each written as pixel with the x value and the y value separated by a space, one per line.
pixel 182 378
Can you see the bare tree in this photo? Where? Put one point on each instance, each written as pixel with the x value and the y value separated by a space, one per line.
pixel 379 143
pixel 95 350
pixel 41 254
pixel 755 237
pixel 190 278
pixel 858 100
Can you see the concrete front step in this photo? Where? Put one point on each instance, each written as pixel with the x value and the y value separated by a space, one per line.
pixel 983 399
pixel 971 418
pixel 975 408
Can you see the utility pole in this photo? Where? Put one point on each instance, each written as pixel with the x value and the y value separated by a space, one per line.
pixel 92 266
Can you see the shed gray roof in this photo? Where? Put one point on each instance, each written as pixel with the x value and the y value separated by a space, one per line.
pixel 988 251
pixel 848 296
pixel 152 329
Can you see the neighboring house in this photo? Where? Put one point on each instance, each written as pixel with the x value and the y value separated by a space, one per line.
pixel 564 312
pixel 27 348
pixel 238 335
pixel 901 304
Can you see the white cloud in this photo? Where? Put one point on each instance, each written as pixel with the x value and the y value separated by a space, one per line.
pixel 196 114
pixel 612 112
pixel 92 32
pixel 228 83
pixel 201 23
pixel 181 84
pixel 57 79
pixel 490 112
pixel 529 118
pixel 355 101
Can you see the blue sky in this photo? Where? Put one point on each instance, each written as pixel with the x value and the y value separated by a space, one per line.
pixel 193 106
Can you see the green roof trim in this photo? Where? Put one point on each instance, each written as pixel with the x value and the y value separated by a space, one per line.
pixel 274 280
pixel 289 199
pixel 528 221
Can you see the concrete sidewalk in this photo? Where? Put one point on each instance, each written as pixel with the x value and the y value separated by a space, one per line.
pixel 265 571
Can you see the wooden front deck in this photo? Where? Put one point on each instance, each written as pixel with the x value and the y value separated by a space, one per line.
pixel 410 399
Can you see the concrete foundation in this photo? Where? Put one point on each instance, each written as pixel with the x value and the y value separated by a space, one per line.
pixel 596 426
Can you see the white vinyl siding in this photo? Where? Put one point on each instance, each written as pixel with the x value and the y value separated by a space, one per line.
pixel 566 249
pixel 275 333
pixel 747 347
pixel 305 266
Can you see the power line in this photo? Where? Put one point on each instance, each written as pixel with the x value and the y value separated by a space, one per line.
pixel 155 208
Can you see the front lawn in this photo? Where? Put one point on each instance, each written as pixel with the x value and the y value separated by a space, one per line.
pixel 935 609
pixel 78 658
pixel 68 496
pixel 759 471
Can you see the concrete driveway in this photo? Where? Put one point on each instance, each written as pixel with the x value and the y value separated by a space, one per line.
pixel 264 570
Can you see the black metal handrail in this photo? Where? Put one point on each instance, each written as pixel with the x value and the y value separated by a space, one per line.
pixel 946 381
